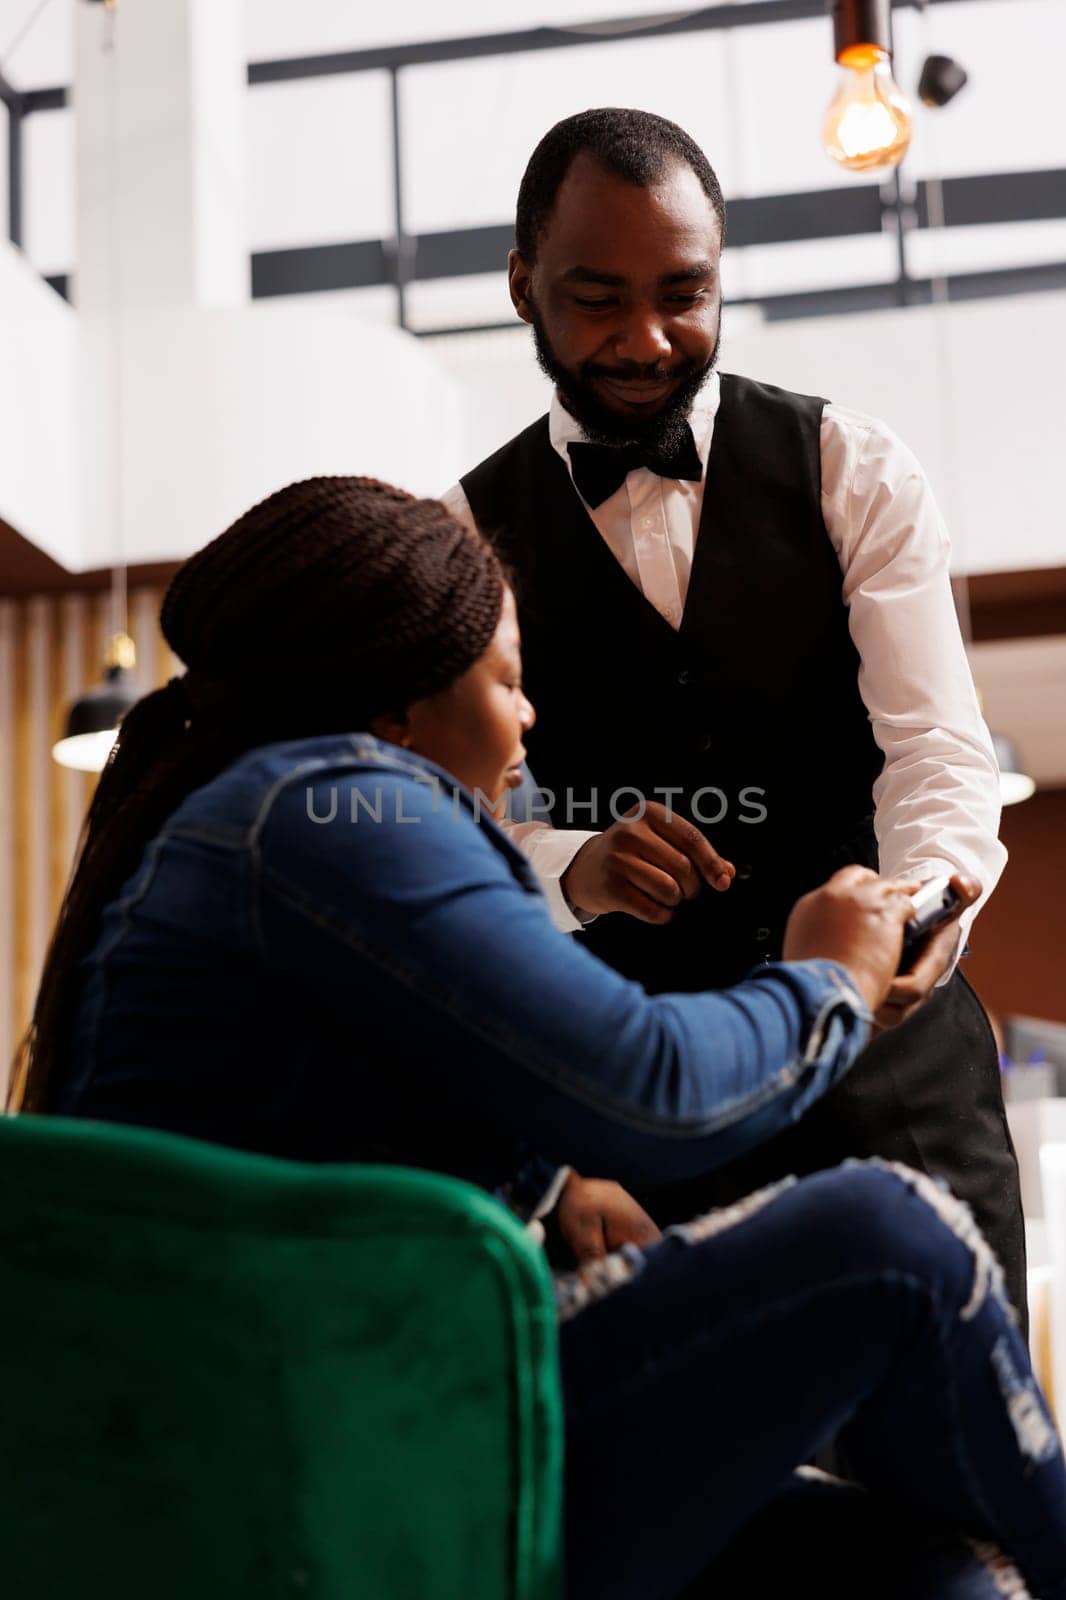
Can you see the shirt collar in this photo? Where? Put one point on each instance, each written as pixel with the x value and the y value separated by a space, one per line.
pixel 563 428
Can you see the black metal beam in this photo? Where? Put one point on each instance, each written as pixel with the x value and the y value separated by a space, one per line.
pixel 44 100
pixel 520 41
pixel 402 246
pixel 885 296
pixel 8 93
pixel 461 252
pixel 20 103
pixel 811 214
pixel 753 220
pixel 816 303
pixel 999 197
pixel 309 269
pixel 15 175
pixel 523 40
pixel 13 101
pixel 862 298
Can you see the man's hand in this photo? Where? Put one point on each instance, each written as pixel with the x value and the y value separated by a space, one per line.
pixel 644 866
pixel 911 989
pixel 595 1216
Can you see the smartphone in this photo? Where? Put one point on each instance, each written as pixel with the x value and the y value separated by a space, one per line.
pixel 934 905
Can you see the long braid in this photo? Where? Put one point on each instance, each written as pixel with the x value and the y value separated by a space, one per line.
pixel 330 602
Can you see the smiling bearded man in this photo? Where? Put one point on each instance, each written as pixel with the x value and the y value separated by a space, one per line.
pixel 735 613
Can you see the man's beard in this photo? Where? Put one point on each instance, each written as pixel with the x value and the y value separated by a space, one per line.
pixel 662 431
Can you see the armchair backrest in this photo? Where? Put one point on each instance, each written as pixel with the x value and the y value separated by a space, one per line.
pixel 226 1377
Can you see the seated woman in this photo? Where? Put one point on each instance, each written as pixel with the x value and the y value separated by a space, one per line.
pixel 295 928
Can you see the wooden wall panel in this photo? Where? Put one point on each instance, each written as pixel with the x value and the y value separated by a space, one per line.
pixel 51 650
pixel 23 824
pixel 8 618
pixel 1019 941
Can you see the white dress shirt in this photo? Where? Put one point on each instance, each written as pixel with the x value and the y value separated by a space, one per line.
pixel 937 799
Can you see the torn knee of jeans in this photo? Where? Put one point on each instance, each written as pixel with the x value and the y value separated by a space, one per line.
pixel 1006 1578
pixel 594 1280
pixel 1032 1426
pixel 956 1214
pixel 587 1284
pixel 721 1220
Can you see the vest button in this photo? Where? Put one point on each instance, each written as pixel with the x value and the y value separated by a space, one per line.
pixel 684 677
pixel 706 743
pixel 744 871
pixel 761 935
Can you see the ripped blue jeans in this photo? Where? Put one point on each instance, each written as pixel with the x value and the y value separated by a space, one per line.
pixel 859 1304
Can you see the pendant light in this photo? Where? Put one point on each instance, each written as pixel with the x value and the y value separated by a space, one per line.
pixel 942 78
pixel 1015 784
pixel 92 721
pixel 867 123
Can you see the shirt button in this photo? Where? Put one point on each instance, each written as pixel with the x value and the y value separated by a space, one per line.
pixel 684 677
pixel 761 935
pixel 645 522
pixel 706 743
pixel 744 871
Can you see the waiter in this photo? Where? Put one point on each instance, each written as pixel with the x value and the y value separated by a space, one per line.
pixel 735 609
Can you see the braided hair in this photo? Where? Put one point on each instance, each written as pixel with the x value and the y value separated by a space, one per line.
pixel 331 602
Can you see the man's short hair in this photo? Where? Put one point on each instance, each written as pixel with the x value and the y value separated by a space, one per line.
pixel 635 145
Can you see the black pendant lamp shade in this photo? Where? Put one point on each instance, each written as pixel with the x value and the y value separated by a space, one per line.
pixel 93 719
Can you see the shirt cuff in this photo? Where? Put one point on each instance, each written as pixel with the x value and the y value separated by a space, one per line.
pixel 839 1020
pixel 550 851
pixel 843 1002
pixel 935 868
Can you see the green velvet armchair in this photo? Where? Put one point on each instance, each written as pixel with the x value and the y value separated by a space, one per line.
pixel 226 1377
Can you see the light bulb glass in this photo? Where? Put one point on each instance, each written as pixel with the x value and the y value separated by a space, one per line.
pixel 868 122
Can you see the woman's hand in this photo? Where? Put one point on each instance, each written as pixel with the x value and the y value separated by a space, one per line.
pixel 857 918
pixel 910 990
pixel 595 1216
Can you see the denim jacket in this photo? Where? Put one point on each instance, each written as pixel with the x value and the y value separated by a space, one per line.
pixel 328 954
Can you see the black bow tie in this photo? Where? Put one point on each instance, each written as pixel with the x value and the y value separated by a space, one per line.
pixel 600 469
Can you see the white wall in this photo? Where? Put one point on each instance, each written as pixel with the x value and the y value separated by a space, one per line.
pixel 222 407
pixel 39 455
pixel 143 421
pixel 975 390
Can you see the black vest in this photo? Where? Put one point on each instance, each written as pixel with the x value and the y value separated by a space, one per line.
pixel 749 713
